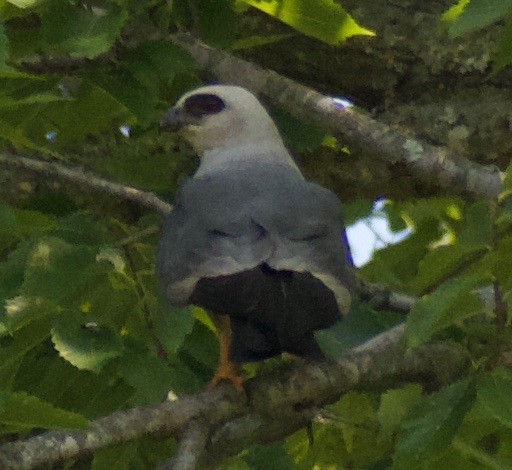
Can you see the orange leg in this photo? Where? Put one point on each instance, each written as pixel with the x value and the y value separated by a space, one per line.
pixel 227 369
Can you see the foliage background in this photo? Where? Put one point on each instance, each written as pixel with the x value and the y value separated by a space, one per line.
pixel 83 327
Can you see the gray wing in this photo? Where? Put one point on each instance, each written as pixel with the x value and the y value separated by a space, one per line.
pixel 230 223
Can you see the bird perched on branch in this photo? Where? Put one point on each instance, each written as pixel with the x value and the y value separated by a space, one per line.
pixel 249 239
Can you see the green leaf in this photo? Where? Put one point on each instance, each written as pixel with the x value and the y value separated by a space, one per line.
pixel 8 227
pixel 217 21
pixel 322 19
pixel 118 457
pixel 77 29
pixel 395 405
pixel 172 325
pixel 34 222
pixel 91 112
pixel 397 264
pixel 56 269
pixel 478 14
pixel 23 412
pixel 441 262
pixel 268 457
pixel 300 135
pixel 433 424
pixel 361 324
pixel 151 377
pixel 4 47
pixel 84 343
pixel 503 55
pixel 13 349
pixel 449 303
pixel 494 393
pixel 25 3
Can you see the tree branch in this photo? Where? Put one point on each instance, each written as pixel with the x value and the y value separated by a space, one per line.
pixel 272 408
pixel 439 164
pixel 84 178
pixel 191 448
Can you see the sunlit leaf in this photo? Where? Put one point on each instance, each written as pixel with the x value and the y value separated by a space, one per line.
pixel 85 343
pixel 322 19
pixel 395 405
pixel 478 14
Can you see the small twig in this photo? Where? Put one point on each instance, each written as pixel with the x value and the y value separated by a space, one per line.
pixel 382 298
pixel 191 448
pixel 89 180
pixel 151 230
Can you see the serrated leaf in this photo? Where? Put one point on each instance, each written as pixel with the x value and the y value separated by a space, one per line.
pixel 23 412
pixel 395 404
pixel 433 424
pixel 494 393
pixel 322 19
pixel 449 303
pixel 84 343
pixel 478 14
pixel 79 30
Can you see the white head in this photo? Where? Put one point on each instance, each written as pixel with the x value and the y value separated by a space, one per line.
pixel 222 117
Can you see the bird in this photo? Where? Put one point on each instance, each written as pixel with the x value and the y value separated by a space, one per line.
pixel 250 240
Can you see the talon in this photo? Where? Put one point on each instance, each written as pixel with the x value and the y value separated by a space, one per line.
pixel 227 372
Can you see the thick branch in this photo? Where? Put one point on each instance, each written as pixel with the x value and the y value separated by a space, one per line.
pixel 271 409
pixel 89 180
pixel 438 164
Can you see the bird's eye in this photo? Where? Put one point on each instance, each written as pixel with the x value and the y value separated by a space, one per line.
pixel 203 104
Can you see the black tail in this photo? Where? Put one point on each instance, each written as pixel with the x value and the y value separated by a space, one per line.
pixel 271 311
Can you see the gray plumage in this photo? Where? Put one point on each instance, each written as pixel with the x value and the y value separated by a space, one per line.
pixel 251 238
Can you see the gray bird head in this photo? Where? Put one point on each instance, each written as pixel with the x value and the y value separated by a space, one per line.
pixel 221 117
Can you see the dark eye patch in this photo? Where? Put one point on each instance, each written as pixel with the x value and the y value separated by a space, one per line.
pixel 203 104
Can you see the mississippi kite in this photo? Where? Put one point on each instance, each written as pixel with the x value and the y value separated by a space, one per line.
pixel 250 239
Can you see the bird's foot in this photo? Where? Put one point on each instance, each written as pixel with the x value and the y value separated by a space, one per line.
pixel 227 371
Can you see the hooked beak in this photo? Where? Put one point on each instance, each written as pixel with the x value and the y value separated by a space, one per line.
pixel 173 120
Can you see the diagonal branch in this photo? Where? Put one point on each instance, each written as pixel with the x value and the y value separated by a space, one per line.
pixel 191 448
pixel 440 164
pixel 272 408
pixel 84 178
